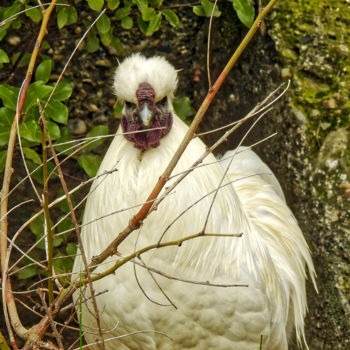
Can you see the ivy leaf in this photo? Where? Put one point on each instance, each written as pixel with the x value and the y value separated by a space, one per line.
pixel 99 130
pixel 148 13
pixel 34 14
pixel 245 11
pixel 171 17
pixel 3 57
pixel 57 111
pixel 96 4
pixel 66 16
pixel 2 160
pixel 90 163
pixel 54 130
pixel 32 155
pixel 103 24
pixel 183 107
pixel 63 91
pixel 8 95
pixel 113 4
pixel 43 71
pixel 6 119
pixel 154 24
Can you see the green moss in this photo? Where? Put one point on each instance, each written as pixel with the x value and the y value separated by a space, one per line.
pixel 313 39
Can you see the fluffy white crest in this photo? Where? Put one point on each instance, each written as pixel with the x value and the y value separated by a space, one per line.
pixel 137 69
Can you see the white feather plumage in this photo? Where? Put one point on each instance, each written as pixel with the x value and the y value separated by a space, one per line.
pixel 271 256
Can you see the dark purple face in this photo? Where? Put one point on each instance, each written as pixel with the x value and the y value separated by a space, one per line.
pixel 147 122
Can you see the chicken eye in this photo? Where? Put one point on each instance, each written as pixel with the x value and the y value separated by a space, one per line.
pixel 163 102
pixel 129 104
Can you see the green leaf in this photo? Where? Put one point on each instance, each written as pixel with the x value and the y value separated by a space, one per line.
pixel 37 174
pixel 93 44
pixel 121 13
pixel 63 205
pixel 183 108
pixel 171 17
pixel 99 130
pixel 32 155
pixel 66 16
pixel 62 18
pixel 117 45
pixel 127 22
pixel 43 71
pixel 24 60
pixel 63 91
pixel 206 8
pixel 54 130
pixel 90 163
pixel 71 249
pixel 148 13
pixel 2 33
pixel 3 57
pixel 154 24
pixel 96 4
pixel 103 24
pixel 66 135
pixel 27 272
pixel 6 119
pixel 155 3
pixel 36 91
pixel 34 14
pixel 66 224
pixel 142 24
pixel 2 160
pixel 63 265
pixel 57 111
pixel 113 4
pixel 141 4
pixel 106 38
pixel 30 131
pixel 245 11
pixel 8 95
pixel 37 228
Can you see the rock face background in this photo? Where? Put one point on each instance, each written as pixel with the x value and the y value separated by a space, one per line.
pixel 307 42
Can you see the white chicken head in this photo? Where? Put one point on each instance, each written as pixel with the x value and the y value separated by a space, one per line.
pixel 146 86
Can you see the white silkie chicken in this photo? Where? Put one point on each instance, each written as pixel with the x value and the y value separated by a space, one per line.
pixel 270 257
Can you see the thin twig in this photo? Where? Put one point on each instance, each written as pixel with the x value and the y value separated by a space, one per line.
pixel 208 43
pixel 10 310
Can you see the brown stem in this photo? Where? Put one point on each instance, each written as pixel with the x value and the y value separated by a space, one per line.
pixel 7 293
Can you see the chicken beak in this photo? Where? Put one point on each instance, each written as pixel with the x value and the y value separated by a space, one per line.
pixel 146 115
